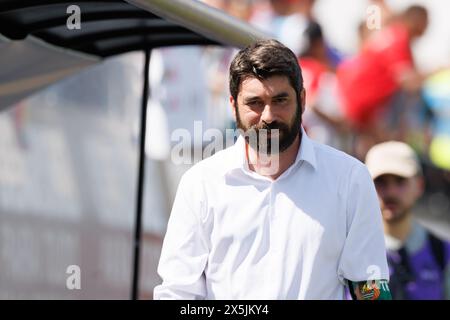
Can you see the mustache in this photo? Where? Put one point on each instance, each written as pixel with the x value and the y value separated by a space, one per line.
pixel 270 126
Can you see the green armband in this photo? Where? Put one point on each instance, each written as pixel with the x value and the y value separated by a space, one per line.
pixel 372 290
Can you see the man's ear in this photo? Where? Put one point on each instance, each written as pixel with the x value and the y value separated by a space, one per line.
pixel 232 105
pixel 303 99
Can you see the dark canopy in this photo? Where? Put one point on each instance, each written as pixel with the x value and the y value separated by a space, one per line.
pixel 109 27
pixel 37 48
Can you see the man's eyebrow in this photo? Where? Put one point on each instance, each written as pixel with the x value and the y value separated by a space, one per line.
pixel 281 95
pixel 251 98
pixel 255 98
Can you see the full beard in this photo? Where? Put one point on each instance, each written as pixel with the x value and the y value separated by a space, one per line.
pixel 271 138
pixel 394 215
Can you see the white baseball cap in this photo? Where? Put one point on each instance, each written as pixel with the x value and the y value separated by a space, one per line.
pixel 393 157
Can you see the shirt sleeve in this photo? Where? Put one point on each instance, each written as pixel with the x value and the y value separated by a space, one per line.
pixel 184 252
pixel 364 254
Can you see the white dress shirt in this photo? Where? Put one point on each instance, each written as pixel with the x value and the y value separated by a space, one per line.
pixel 234 234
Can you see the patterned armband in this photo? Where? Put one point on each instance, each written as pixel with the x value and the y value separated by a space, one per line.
pixel 372 290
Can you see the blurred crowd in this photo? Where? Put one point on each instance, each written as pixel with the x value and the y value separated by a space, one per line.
pixel 355 101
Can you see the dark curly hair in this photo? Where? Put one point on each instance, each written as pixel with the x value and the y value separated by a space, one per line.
pixel 263 59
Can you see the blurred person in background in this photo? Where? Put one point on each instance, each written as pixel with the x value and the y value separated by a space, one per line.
pixel 382 79
pixel 241 9
pixel 285 20
pixel 323 118
pixel 379 14
pixel 418 260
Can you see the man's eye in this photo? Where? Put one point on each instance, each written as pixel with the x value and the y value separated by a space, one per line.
pixel 379 183
pixel 401 182
pixel 280 100
pixel 254 103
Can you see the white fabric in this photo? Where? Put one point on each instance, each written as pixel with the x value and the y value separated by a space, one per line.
pixel 233 234
pixel 178 85
pixel 326 100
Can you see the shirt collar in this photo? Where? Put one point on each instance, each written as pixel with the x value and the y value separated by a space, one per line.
pixel 237 158
pixel 306 151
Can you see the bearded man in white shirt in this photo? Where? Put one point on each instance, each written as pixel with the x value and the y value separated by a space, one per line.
pixel 278 216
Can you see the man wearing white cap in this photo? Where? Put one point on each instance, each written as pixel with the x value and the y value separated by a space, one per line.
pixel 418 261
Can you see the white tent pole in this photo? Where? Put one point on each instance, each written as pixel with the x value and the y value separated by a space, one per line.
pixel 205 20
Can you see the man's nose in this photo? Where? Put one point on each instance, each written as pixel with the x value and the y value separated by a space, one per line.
pixel 391 190
pixel 267 114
